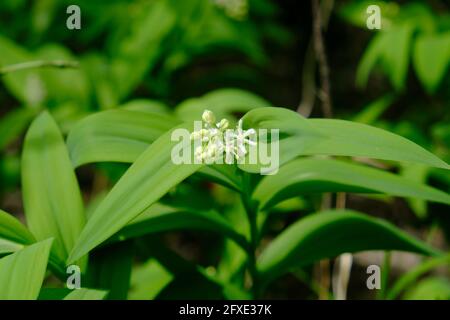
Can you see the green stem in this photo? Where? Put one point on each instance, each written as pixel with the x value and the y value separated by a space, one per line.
pixel 385 275
pixel 38 64
pixel 254 234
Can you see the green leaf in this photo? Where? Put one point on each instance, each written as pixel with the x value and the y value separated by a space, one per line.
pixel 53 293
pixel 372 112
pixel 390 48
pixel 434 288
pixel 143 105
pixel 13 123
pixel 63 85
pixel 187 275
pixel 13 234
pixel 222 102
pixel 431 59
pixel 26 85
pixel 148 280
pixel 409 278
pixel 329 234
pixel 123 135
pixel 151 176
pixel 300 136
pixel 159 217
pixel 52 199
pixel 110 268
pixel 22 273
pixel 115 135
pixel 312 175
pixel 86 294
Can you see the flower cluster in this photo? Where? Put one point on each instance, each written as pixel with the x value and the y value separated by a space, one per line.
pixel 216 140
pixel 235 9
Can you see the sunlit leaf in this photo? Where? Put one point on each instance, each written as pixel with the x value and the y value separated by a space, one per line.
pixel 22 273
pixel 151 176
pixel 300 136
pixel 52 199
pixel 86 294
pixel 116 135
pixel 223 103
pixel 13 234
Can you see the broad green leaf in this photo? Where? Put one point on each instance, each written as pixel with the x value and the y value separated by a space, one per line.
pixel 143 105
pixel 137 49
pixel 116 135
pixel 222 102
pixel 431 59
pixel 86 294
pixel 148 280
pixel 313 175
pixel 232 265
pixel 22 273
pixel 300 136
pixel 13 234
pixel 109 269
pixel 13 123
pixel 396 54
pixel 123 135
pixel 150 177
pixel 159 217
pixel 390 48
pixel 434 288
pixel 370 59
pixel 329 234
pixel 53 293
pixel 52 199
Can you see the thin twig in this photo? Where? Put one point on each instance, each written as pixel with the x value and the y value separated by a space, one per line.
pixel 324 70
pixel 38 64
pixel 306 105
pixel 343 264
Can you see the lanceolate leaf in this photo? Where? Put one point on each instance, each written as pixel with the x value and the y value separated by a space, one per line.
pixel 13 234
pixel 222 102
pixel 431 59
pixel 123 135
pixel 13 124
pixel 86 294
pixel 151 176
pixel 116 135
pixel 302 176
pixel 328 234
pixel 110 268
pixel 300 136
pixel 22 273
pixel 160 217
pixel 52 199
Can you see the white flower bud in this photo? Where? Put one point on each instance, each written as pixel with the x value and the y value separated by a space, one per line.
pixel 208 117
pixel 223 124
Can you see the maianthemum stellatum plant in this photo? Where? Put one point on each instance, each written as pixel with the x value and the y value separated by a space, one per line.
pixel 60 233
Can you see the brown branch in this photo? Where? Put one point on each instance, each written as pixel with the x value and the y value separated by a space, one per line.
pixel 322 61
